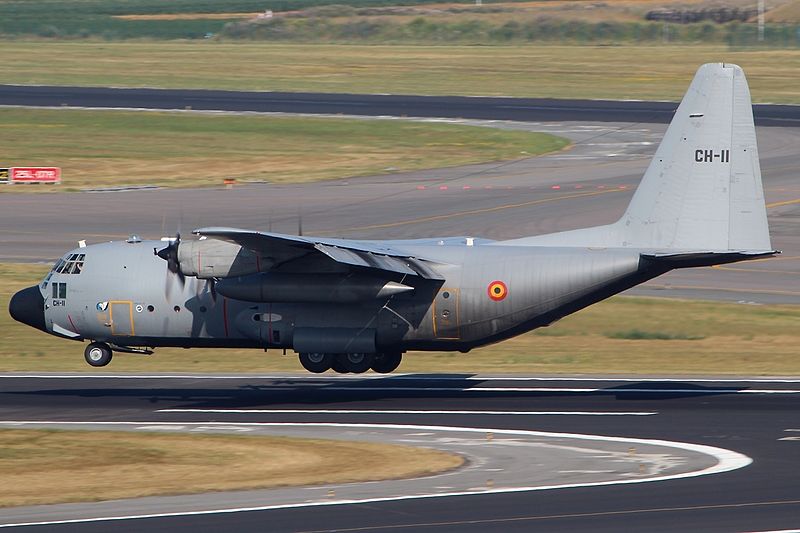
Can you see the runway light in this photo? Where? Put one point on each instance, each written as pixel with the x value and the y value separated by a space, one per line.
pixel 420 187
pixel 466 187
pixel 443 187
pixel 579 186
pixel 556 187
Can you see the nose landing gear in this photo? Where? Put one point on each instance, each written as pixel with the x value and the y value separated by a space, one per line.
pixel 98 354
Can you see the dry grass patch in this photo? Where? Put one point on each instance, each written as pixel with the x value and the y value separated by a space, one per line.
pixel 177 149
pixel 616 72
pixel 49 466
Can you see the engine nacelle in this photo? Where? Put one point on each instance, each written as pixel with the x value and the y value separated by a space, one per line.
pixel 308 288
pixel 213 258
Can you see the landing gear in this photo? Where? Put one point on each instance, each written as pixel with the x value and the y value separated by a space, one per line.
pixel 98 354
pixel 346 363
pixel 338 365
pixel 387 362
pixel 357 363
pixel 317 362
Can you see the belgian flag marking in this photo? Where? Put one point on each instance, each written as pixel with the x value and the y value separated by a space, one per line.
pixel 497 290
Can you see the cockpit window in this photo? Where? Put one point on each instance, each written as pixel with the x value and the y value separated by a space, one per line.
pixel 73 264
pixel 70 264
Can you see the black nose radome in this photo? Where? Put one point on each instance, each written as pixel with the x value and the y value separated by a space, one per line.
pixel 27 306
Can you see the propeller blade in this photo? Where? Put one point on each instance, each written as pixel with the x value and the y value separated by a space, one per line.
pixel 170 254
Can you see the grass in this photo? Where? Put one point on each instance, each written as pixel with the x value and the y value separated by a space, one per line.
pixel 83 18
pixel 643 72
pixel 49 466
pixel 548 22
pixel 637 334
pixel 726 339
pixel 102 148
pixel 377 21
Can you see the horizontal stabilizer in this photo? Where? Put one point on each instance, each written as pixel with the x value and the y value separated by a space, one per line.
pixel 700 259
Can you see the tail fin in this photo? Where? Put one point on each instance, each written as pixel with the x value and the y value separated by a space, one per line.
pixel 702 190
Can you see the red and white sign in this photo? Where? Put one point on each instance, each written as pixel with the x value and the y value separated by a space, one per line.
pixel 35 175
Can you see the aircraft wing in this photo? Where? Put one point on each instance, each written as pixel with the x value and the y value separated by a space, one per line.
pixel 281 248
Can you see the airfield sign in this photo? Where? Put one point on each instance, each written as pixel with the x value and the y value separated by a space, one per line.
pixel 30 175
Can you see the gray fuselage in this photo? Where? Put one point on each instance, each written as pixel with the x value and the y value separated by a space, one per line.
pixel 125 295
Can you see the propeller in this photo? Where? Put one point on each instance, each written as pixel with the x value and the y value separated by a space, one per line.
pixel 170 255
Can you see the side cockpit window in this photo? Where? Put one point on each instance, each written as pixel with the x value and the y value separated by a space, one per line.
pixel 59 291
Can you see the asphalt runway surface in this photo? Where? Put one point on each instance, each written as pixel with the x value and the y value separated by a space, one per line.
pixel 492 108
pixel 744 420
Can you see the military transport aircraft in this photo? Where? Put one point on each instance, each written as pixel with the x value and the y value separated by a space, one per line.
pixel 355 305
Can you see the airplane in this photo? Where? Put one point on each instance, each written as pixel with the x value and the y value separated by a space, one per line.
pixel 356 305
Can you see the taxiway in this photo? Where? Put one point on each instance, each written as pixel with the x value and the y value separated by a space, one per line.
pixel 690 467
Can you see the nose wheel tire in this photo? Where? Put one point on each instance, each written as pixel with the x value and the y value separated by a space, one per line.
pixel 384 363
pixel 317 362
pixel 357 363
pixel 97 354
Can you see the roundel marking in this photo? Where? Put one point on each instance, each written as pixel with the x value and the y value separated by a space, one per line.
pixel 497 290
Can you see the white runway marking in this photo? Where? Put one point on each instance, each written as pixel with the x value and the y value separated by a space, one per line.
pixel 727 460
pixel 410 412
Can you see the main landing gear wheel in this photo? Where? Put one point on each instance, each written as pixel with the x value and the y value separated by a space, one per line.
pixel 97 354
pixel 357 363
pixel 338 364
pixel 316 362
pixel 384 363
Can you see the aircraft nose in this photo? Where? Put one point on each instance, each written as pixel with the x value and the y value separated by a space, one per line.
pixel 27 306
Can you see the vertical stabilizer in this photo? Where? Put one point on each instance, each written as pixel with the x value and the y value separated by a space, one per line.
pixel 702 190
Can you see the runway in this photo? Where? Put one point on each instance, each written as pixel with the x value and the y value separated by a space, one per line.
pixel 485 108
pixel 527 416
